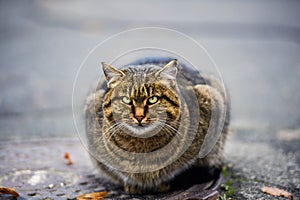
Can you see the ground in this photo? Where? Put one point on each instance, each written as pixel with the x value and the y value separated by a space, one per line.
pixel 255 45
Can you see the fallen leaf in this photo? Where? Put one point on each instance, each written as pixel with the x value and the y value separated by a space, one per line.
pixel 8 191
pixel 288 134
pixel 92 196
pixel 276 192
pixel 68 158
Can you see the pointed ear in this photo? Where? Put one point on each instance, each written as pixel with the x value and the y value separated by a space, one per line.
pixel 112 74
pixel 169 71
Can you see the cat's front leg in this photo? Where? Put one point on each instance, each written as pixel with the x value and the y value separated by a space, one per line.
pixel 135 189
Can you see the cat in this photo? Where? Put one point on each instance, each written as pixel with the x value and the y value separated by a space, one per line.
pixel 150 106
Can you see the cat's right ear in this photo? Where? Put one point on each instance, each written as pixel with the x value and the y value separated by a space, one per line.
pixel 112 74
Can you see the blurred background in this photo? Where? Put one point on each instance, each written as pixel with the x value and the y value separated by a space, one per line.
pixel 256 45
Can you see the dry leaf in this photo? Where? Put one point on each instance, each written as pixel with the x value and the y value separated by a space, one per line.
pixel 276 192
pixel 93 196
pixel 288 135
pixel 8 191
pixel 68 158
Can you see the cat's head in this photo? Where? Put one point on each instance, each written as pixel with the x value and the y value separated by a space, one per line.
pixel 142 98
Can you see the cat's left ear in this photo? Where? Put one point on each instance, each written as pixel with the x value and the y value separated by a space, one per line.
pixel 169 71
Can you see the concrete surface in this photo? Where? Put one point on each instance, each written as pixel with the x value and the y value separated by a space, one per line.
pixel 38 173
pixel 256 45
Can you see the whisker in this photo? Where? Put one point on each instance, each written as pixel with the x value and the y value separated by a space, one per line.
pixel 170 128
pixel 116 129
pixel 177 123
pixel 112 128
pixel 162 125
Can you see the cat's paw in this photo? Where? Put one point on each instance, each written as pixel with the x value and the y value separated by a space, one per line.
pixel 133 189
pixel 164 187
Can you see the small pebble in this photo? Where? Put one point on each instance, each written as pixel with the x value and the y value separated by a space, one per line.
pixel 78 190
pixel 99 189
pixel 60 194
pixel 50 186
pixel 31 194
pixel 90 176
pixel 83 183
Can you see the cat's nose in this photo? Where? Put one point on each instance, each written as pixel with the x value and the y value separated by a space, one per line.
pixel 139 114
pixel 139 118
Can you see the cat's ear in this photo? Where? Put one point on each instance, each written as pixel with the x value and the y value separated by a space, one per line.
pixel 112 74
pixel 169 71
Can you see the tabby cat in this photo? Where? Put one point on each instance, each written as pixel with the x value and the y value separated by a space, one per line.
pixel 147 123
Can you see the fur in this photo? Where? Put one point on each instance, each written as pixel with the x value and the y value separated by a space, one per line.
pixel 125 97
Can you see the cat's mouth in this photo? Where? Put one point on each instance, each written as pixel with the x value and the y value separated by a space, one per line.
pixel 142 130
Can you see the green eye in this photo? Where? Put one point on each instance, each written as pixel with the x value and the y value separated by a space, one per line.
pixel 126 100
pixel 153 100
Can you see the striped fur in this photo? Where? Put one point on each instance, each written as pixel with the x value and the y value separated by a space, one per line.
pixel 124 98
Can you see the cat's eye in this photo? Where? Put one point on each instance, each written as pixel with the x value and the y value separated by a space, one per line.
pixel 126 100
pixel 152 100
